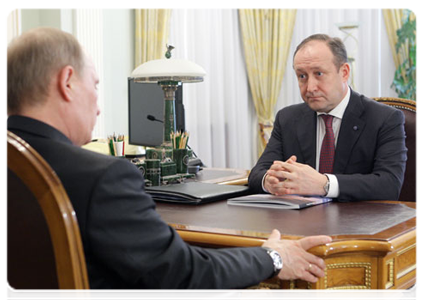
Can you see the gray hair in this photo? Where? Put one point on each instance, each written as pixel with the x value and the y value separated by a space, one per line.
pixel 32 60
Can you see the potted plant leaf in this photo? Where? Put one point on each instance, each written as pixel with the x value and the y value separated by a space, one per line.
pixel 405 75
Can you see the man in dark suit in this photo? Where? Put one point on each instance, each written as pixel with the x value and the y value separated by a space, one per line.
pixel 52 105
pixel 366 139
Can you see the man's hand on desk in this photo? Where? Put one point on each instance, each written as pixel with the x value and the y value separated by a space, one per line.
pixel 297 262
pixel 274 178
pixel 290 177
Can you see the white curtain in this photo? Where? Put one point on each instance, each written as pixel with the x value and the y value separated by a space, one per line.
pixel 219 112
pixel 89 32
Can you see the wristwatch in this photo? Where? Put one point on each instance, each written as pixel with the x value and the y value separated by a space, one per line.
pixel 277 261
pixel 327 185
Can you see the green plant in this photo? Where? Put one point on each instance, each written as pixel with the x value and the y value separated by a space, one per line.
pixel 405 76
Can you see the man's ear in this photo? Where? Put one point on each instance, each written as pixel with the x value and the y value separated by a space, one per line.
pixel 66 80
pixel 345 71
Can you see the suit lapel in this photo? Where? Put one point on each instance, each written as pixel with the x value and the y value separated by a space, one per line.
pixel 351 128
pixel 306 134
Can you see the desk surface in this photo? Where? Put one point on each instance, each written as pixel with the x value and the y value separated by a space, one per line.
pixel 382 257
pixel 363 220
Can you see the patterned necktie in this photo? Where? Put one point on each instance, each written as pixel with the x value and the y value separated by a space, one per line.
pixel 327 153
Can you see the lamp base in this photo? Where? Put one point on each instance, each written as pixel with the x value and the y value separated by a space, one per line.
pixel 169 89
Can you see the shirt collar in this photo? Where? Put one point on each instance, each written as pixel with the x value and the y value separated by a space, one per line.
pixel 339 110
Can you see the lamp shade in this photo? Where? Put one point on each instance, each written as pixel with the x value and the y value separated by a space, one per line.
pixel 158 70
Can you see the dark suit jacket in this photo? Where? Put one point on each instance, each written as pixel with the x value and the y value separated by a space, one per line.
pixel 370 155
pixel 126 243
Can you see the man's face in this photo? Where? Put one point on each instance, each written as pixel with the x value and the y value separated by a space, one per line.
pixel 322 85
pixel 87 109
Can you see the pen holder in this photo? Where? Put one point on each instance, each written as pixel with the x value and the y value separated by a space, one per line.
pixel 119 148
pixel 116 144
pixel 180 157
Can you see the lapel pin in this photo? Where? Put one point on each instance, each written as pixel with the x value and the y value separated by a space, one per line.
pixel 355 128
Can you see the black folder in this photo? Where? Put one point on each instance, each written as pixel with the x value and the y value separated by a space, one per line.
pixel 195 192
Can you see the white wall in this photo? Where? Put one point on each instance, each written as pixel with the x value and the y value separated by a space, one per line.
pixel 32 18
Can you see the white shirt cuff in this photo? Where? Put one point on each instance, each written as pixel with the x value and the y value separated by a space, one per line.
pixel 262 183
pixel 333 187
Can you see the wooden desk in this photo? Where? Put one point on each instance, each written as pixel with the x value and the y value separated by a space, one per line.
pixel 354 260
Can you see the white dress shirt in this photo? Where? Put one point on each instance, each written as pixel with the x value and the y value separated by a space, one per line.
pixel 337 113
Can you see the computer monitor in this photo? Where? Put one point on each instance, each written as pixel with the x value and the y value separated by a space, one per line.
pixel 146 107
